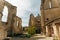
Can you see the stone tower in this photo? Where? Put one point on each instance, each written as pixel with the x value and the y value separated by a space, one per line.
pixel 32 20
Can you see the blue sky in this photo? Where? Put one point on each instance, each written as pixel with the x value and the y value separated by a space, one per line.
pixel 24 9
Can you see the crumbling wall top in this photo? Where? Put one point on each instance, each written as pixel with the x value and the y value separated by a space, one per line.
pixel 9 5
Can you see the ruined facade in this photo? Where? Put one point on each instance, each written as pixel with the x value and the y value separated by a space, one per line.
pixel 11 14
pixel 35 22
pixel 17 26
pixel 8 28
pixel 12 20
pixel 3 32
pixel 38 24
pixel 50 16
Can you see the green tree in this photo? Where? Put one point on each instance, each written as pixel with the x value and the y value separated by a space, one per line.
pixel 32 30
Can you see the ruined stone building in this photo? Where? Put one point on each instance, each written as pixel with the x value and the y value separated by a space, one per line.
pixel 3 32
pixel 11 22
pixel 8 28
pixel 17 26
pixel 35 22
pixel 32 20
pixel 38 24
pixel 2 29
pixel 50 16
pixel 10 19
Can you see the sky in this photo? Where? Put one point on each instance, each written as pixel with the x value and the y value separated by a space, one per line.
pixel 24 9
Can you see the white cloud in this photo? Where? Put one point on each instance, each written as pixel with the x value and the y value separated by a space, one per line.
pixel 22 5
pixel 20 13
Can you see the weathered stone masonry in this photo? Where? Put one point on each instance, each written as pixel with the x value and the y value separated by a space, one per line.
pixel 50 15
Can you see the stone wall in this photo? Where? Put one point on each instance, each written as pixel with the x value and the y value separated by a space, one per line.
pixel 35 22
pixel 17 25
pixel 50 17
pixel 52 12
pixel 6 28
pixel 1 5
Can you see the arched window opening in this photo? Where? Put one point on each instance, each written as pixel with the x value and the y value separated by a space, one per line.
pixel 50 4
pixel 5 14
pixel 17 23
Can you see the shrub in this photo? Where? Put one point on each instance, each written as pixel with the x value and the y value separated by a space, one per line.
pixel 32 30
pixel 28 35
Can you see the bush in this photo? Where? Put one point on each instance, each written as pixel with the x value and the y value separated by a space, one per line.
pixel 28 35
pixel 32 30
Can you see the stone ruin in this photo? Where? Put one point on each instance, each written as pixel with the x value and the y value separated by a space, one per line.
pixel 35 22
pixel 32 20
pixel 8 28
pixel 17 26
pixel 50 17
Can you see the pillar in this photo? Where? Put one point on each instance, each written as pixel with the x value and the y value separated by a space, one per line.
pixel 59 32
pixel 49 31
pixel 20 26
pixel 11 15
pixel 10 19
pixel 56 30
pixel 14 25
pixel 46 30
pixel 42 22
pixel 42 17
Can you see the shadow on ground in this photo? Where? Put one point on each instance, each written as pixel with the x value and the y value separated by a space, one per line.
pixel 27 38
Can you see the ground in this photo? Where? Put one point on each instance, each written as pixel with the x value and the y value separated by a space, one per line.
pixel 48 38
pixel 39 37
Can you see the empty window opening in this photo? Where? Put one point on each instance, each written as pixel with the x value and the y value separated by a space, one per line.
pixel 5 14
